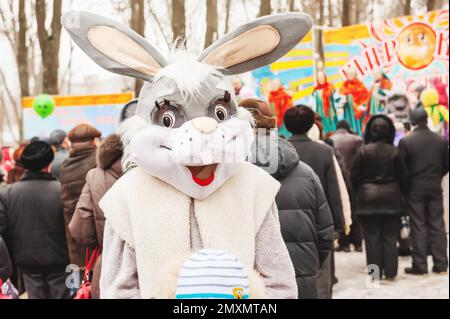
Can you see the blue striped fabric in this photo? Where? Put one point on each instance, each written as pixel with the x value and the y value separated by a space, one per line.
pixel 212 274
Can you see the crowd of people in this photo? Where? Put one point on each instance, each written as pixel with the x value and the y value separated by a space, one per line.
pixel 340 188
pixel 177 204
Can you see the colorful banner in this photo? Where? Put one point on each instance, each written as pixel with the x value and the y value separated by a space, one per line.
pixel 410 50
pixel 295 71
pixel 101 111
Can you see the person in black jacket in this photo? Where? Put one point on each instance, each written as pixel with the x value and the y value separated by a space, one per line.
pixel 347 144
pixel 376 176
pixel 32 222
pixel 425 154
pixel 5 262
pixel 319 156
pixel 305 218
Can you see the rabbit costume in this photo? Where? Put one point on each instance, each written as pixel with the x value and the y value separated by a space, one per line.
pixel 190 187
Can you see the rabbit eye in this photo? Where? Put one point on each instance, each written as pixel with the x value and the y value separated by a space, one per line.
pixel 222 108
pixel 221 112
pixel 168 119
pixel 168 114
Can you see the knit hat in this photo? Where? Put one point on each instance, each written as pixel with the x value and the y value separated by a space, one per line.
pixel 418 116
pixel 37 155
pixel 261 112
pixel 212 274
pixel 83 133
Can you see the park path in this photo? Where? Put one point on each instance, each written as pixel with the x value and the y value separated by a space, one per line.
pixel 350 270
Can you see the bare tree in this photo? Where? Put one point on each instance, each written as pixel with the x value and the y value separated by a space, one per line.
pixel 330 13
pixel 22 51
pixel 291 5
pixel 178 19
pixel 15 106
pixel 264 8
pixel 137 23
pixel 211 22
pixel 431 5
pixel 49 44
pixel 407 7
pixel 319 32
pixel 227 15
pixel 14 26
pixel 346 13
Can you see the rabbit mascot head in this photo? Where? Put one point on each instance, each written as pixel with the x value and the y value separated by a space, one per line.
pixel 188 131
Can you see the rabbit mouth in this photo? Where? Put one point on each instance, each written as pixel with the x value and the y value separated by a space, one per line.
pixel 203 175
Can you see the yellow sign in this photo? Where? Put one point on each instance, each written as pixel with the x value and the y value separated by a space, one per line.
pixel 84 100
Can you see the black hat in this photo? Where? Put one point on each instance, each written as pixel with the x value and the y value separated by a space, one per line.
pixel 418 116
pixel 37 155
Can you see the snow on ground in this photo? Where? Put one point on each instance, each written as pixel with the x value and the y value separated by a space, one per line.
pixel 354 283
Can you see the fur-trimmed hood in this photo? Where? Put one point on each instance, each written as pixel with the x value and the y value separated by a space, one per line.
pixel 109 151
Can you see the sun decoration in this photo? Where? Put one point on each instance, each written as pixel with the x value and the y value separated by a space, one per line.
pixel 417 43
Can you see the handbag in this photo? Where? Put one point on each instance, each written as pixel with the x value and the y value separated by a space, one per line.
pixel 8 291
pixel 84 292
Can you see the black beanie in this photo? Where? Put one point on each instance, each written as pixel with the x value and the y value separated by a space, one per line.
pixel 37 156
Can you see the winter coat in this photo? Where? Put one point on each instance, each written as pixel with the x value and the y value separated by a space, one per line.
pixel 32 222
pixel 377 174
pixel 73 177
pixel 5 262
pixel 305 218
pixel 61 155
pixel 343 178
pixel 320 158
pixel 347 145
pixel 88 220
pixel 425 156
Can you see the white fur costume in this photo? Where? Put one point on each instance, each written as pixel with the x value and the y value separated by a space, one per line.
pixel 186 121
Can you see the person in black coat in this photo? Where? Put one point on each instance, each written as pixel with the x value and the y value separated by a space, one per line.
pixel 5 262
pixel 425 154
pixel 32 223
pixel 319 156
pixel 305 218
pixel 376 176
pixel 346 143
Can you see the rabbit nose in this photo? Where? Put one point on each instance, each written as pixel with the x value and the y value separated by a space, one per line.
pixel 205 125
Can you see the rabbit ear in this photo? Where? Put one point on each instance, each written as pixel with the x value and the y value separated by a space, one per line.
pixel 257 43
pixel 113 46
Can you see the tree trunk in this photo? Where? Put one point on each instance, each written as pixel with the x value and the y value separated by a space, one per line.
pixel 137 23
pixel 227 15
pixel 330 13
pixel 431 5
pixel 319 32
pixel 49 44
pixel 359 6
pixel 211 22
pixel 22 51
pixel 178 19
pixel 407 8
pixel 346 13
pixel 291 5
pixel 264 8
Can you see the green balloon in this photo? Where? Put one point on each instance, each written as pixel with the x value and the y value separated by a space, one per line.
pixel 44 105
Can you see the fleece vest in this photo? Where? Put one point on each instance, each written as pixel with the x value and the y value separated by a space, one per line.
pixel 153 218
